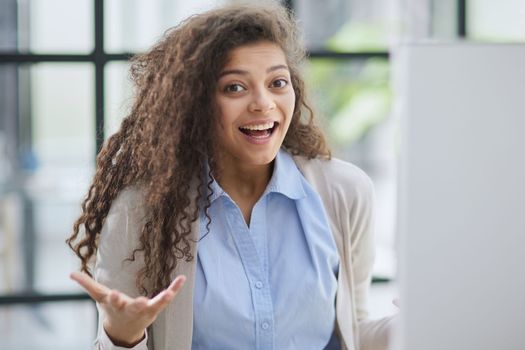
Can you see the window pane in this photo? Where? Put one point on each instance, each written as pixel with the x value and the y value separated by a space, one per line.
pixel 40 198
pixel 133 26
pixel 353 99
pixel 8 120
pixel 36 218
pixel 442 22
pixel 342 25
pixel 55 26
pixel 62 114
pixel 496 21
pixel 57 326
pixel 8 33
pixel 119 91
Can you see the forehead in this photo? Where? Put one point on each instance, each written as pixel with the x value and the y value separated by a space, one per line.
pixel 260 53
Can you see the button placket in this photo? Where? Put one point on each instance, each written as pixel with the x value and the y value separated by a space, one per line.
pixel 255 270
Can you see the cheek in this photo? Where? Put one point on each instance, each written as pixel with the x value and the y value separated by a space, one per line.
pixel 221 115
pixel 290 103
pixel 227 112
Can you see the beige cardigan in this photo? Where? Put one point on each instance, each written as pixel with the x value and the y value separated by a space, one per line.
pixel 347 194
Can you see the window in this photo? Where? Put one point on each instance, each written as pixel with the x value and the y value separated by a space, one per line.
pixel 64 88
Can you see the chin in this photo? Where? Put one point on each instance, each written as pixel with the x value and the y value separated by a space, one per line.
pixel 259 156
pixel 263 159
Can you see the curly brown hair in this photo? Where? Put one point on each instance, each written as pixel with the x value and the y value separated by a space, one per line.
pixel 166 140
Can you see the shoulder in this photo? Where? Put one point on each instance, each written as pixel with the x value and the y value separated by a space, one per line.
pixel 336 177
pixel 119 238
pixel 128 199
pixel 347 193
pixel 125 218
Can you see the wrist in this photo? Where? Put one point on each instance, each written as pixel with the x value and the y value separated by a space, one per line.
pixel 123 338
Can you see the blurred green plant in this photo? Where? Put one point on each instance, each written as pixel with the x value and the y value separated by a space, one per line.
pixel 360 36
pixel 351 96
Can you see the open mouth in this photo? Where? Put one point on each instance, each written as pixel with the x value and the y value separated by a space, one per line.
pixel 260 131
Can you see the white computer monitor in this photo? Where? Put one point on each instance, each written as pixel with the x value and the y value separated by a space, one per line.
pixel 461 196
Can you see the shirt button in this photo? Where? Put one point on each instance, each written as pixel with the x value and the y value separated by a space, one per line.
pixel 258 284
pixel 265 325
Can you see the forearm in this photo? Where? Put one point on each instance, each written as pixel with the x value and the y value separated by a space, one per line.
pixel 105 342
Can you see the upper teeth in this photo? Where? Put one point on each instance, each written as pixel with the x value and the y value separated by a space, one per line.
pixel 264 126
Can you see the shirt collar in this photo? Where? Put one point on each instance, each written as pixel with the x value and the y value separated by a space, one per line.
pixel 216 189
pixel 286 179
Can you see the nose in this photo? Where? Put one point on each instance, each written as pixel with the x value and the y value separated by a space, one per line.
pixel 262 101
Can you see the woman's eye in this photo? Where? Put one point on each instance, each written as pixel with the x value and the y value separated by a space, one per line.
pixel 279 83
pixel 234 88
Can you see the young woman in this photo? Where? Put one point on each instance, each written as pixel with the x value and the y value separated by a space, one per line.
pixel 219 182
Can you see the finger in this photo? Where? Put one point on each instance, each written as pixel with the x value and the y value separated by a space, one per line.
pixel 95 290
pixel 161 300
pixel 177 284
pixel 139 304
pixel 118 300
pixel 114 300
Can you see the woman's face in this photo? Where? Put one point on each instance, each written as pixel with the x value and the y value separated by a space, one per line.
pixel 255 102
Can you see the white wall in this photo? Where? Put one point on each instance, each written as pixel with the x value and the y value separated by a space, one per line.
pixel 461 219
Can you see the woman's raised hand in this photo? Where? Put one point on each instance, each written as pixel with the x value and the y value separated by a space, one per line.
pixel 127 318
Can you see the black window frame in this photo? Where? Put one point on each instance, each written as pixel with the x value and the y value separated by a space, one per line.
pixel 99 58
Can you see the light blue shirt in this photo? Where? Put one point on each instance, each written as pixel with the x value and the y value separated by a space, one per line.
pixel 271 285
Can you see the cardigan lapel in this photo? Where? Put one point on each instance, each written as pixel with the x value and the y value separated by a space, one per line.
pixel 173 328
pixel 312 171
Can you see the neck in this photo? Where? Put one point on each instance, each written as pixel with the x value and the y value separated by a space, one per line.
pixel 244 180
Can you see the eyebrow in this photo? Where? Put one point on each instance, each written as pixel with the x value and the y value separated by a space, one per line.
pixel 243 72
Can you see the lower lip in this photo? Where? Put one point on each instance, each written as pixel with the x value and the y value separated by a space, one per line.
pixel 259 140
